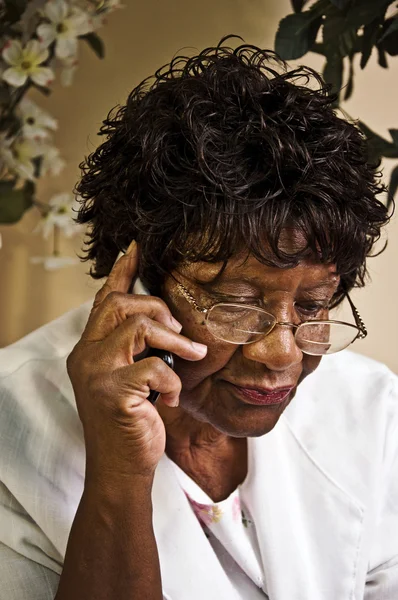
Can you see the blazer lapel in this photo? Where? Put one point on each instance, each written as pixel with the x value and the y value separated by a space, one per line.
pixel 189 566
pixel 309 529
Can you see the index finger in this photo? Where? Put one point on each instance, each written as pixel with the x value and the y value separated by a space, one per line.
pixel 121 275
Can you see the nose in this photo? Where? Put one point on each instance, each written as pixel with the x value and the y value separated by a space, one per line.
pixel 277 350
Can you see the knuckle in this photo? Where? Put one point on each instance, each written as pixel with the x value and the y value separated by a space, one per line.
pixel 140 322
pixel 159 304
pixel 156 365
pixel 101 294
pixel 113 299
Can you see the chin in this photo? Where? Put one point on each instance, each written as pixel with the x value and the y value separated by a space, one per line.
pixel 246 420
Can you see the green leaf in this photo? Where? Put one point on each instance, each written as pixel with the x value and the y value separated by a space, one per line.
pixel 392 186
pixel 333 73
pixel 350 84
pixel 298 5
pixel 44 90
pixel 37 163
pixel 382 59
pixel 95 43
pixel 369 38
pixel 377 145
pixel 341 4
pixel 394 136
pixel 390 25
pixel 337 35
pixel 11 124
pixel 389 39
pixel 5 95
pixel 14 203
pixel 14 9
pixel 296 34
pixel 363 12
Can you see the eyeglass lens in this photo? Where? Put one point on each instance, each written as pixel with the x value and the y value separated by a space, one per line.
pixel 245 324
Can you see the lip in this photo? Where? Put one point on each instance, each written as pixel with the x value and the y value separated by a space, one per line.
pixel 263 396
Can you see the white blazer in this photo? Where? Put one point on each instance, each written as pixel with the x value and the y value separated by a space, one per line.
pixel 323 483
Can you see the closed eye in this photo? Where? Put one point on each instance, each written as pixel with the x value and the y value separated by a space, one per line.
pixel 312 309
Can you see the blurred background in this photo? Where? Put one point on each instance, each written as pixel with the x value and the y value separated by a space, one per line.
pixel 139 39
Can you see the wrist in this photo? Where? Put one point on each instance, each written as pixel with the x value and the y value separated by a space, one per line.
pixel 117 488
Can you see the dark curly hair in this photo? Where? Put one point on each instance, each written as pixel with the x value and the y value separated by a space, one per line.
pixel 220 153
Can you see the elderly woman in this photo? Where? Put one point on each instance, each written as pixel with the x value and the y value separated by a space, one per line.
pixel 246 209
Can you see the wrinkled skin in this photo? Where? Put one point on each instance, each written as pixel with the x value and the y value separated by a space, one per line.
pixel 125 435
pixel 207 432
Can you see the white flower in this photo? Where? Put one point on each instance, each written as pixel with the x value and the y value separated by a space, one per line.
pixel 62 209
pixel 17 155
pixel 52 263
pixel 52 162
pixel 25 62
pixel 35 122
pixel 101 8
pixel 66 24
pixel 105 6
pixel 67 73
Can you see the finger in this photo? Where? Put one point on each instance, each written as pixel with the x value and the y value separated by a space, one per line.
pixel 139 332
pixel 118 307
pixel 135 382
pixel 119 279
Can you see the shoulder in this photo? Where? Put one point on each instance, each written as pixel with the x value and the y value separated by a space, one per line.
pixel 35 389
pixel 350 378
pixel 51 341
pixel 345 418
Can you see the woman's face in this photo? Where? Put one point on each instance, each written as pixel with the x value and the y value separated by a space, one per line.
pixel 210 387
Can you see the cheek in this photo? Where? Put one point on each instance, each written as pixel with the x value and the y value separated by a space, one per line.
pixel 192 373
pixel 309 364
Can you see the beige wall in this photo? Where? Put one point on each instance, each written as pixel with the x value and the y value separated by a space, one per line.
pixel 138 40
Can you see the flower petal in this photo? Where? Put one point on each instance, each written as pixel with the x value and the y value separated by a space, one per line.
pixel 80 23
pixel 67 76
pixel 47 33
pixel 62 199
pixel 42 76
pixel 56 10
pixel 15 77
pixel 12 52
pixel 25 170
pixel 35 53
pixel 66 47
pixel 32 50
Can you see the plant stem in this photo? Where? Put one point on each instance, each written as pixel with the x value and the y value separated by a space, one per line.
pixel 56 241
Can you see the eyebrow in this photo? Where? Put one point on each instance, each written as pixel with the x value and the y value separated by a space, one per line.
pixel 256 282
pixel 320 284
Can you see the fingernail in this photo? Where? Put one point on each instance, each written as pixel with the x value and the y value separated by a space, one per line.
pixel 200 348
pixel 175 324
pixel 131 247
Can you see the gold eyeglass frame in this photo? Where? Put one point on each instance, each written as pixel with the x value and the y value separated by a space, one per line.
pixel 359 324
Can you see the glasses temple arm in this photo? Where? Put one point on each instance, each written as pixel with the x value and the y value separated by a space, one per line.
pixel 358 319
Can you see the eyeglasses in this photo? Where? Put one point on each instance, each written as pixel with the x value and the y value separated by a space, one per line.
pixel 244 324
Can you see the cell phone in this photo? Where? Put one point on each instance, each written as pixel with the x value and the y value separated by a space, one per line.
pixel 137 287
pixel 167 357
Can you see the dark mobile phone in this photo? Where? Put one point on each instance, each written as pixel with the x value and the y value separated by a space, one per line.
pixel 167 357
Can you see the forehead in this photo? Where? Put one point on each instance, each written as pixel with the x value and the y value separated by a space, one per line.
pixel 250 270
pixel 244 265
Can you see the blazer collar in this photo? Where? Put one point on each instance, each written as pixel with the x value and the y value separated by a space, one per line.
pixel 308 528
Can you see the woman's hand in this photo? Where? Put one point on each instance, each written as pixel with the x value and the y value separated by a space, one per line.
pixel 124 434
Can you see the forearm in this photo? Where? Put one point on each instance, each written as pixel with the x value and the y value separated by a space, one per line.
pixel 112 552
